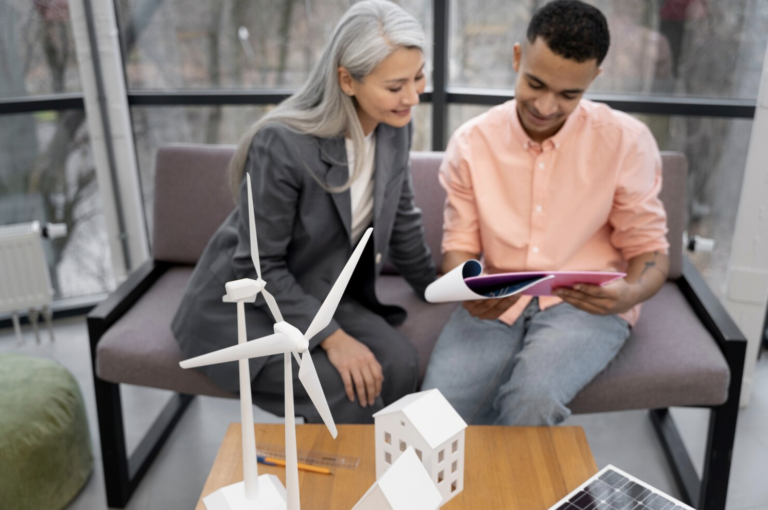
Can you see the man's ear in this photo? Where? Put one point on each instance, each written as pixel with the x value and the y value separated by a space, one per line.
pixel 597 73
pixel 346 81
pixel 517 56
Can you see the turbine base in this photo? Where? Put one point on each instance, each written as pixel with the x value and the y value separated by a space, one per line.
pixel 232 497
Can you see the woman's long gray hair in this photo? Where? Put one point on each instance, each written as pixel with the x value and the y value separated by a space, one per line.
pixel 368 33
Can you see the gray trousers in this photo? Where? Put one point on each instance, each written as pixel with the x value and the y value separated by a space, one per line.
pixel 526 373
pixel 393 350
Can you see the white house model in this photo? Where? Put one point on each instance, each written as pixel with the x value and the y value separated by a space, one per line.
pixel 405 486
pixel 428 423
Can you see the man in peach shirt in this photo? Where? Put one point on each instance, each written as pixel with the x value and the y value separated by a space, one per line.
pixel 548 181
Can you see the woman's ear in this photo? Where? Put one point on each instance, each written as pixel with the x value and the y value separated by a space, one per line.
pixel 346 82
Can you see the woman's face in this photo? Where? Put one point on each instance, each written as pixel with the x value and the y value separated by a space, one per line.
pixel 390 91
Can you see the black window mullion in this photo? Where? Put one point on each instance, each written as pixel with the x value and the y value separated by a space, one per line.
pixel 440 11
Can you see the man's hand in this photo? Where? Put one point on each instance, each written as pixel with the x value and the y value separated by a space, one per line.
pixel 646 274
pixel 612 298
pixel 490 309
pixel 357 366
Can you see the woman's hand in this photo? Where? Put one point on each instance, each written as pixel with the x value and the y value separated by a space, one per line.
pixel 357 366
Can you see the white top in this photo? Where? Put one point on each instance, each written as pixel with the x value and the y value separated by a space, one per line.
pixel 361 191
pixel 430 414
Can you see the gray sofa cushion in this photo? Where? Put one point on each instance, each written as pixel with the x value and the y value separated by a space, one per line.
pixel 192 199
pixel 140 348
pixel 665 363
pixel 669 360
pixel 424 322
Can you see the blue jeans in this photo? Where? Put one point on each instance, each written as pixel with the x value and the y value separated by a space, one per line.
pixel 526 373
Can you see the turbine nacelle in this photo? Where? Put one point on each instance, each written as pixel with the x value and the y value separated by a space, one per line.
pixel 294 334
pixel 244 289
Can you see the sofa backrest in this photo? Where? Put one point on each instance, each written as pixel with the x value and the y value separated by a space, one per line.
pixel 192 198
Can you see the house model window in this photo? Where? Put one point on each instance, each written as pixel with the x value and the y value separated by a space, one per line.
pixel 426 422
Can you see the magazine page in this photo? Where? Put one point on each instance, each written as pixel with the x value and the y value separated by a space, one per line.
pixel 466 282
pixel 453 287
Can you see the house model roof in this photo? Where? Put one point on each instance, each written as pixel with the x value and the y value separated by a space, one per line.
pixel 407 485
pixel 430 413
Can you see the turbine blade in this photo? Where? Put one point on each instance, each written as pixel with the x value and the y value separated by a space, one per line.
pixel 311 383
pixel 277 343
pixel 328 308
pixel 252 227
pixel 272 304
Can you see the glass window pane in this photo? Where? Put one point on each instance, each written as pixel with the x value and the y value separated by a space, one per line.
pixel 47 174
pixel 37 52
pixel 251 44
pixel 155 127
pixel 716 150
pixel 711 48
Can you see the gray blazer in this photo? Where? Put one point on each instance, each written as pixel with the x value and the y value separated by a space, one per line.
pixel 304 241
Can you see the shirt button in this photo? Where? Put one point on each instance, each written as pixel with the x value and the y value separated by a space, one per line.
pixel 535 249
pixel 541 166
pixel 538 208
pixel 378 258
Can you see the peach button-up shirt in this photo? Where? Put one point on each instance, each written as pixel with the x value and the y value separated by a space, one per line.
pixel 586 199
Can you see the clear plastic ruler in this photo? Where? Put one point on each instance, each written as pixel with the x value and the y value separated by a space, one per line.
pixel 311 457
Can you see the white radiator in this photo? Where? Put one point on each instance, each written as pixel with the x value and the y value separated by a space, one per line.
pixel 25 283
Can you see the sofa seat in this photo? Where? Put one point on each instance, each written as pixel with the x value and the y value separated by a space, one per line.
pixel 669 360
pixel 425 320
pixel 644 375
pixel 140 349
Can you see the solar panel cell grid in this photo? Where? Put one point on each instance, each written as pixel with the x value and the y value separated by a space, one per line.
pixel 612 490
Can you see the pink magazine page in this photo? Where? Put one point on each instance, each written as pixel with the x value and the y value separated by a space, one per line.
pixel 499 284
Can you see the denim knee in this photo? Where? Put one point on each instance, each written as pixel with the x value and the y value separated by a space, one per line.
pixel 531 404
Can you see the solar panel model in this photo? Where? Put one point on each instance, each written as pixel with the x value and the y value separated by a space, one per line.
pixel 613 489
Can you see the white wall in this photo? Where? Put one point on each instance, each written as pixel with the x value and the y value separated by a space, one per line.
pixel 747 282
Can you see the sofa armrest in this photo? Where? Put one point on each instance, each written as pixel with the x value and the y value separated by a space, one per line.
pixel 121 300
pixel 730 339
pixel 708 307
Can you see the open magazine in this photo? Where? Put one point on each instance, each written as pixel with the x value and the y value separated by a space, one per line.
pixel 466 282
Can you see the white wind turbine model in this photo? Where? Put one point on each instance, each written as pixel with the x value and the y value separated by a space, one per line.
pixel 287 340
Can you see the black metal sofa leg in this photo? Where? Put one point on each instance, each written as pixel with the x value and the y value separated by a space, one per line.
pixel 709 492
pixel 122 473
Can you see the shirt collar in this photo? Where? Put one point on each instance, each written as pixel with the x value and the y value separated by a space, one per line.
pixel 554 142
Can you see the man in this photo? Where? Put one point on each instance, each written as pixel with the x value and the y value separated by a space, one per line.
pixel 548 181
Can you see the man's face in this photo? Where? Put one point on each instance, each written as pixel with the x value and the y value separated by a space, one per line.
pixel 548 87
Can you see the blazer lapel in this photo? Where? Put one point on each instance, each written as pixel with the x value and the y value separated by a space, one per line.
pixel 385 153
pixel 333 153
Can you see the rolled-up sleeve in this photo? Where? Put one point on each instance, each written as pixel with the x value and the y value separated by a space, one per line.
pixel 638 217
pixel 461 230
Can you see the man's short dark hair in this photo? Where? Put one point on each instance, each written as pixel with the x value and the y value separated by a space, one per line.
pixel 571 29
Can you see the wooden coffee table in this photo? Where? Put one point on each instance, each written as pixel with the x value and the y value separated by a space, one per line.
pixel 525 468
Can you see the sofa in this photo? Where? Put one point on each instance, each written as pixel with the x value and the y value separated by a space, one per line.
pixel 684 351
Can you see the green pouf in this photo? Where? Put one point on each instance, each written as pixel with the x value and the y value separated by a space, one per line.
pixel 45 449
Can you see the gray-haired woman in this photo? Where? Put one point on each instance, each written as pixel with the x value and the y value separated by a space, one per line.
pixel 327 163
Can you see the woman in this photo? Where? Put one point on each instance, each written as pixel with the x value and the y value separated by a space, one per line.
pixel 313 198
